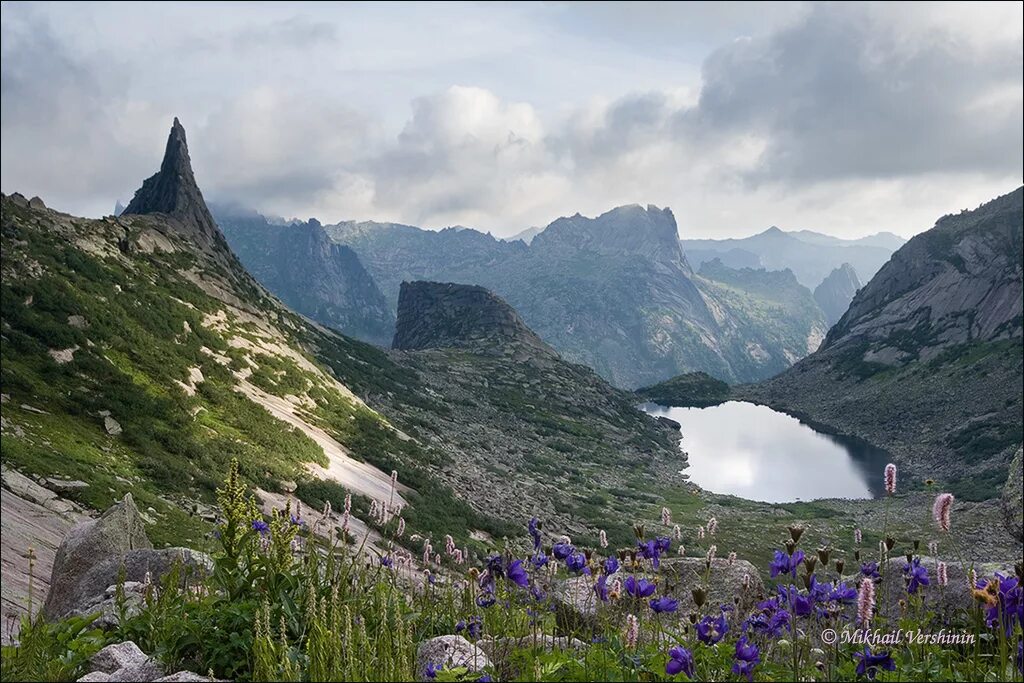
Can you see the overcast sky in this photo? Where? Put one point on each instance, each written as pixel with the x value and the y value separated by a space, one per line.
pixel 847 119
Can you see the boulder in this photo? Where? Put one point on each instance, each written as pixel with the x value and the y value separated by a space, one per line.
pixel 449 652
pixel 184 677
pixel 112 426
pixel 117 656
pixel 94 677
pixel 943 600
pixel 106 539
pixel 576 603
pixel 146 671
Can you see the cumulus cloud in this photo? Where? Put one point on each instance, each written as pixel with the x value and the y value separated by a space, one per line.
pixel 851 118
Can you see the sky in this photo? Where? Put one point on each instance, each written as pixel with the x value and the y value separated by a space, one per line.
pixel 847 119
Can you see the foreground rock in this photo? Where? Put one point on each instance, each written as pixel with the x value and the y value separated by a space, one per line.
pixel 577 605
pixel 943 600
pixel 90 559
pixel 449 652
pixel 126 662
pixel 1013 497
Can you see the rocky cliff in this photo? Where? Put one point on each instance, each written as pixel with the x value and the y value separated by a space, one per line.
pixel 311 274
pixel 927 361
pixel 173 192
pixel 435 315
pixel 836 291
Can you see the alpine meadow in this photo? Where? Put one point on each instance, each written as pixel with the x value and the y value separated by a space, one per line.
pixel 591 341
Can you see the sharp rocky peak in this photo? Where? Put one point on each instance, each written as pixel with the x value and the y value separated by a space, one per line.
pixel 173 191
pixel 630 229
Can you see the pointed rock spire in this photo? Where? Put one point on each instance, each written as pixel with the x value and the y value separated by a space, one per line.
pixel 173 191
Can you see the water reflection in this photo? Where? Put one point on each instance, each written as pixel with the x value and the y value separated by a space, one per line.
pixel 755 452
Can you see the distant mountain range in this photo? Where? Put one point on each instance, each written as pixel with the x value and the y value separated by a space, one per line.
pixel 810 255
pixel 615 292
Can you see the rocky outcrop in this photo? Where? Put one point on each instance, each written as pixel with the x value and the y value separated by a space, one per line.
pixel 126 662
pixel 927 361
pixel 449 652
pixel 836 291
pixel 173 192
pixel 91 559
pixel 1013 505
pixel 312 275
pixel 959 282
pixel 435 315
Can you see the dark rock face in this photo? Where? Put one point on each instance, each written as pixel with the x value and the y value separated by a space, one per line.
pixel 311 274
pixel 927 362
pixel 173 191
pixel 435 315
pixel 836 291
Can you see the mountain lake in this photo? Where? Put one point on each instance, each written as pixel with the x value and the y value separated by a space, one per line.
pixel 754 452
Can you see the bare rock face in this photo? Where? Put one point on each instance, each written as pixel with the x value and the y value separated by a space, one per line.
pixel 449 652
pixel 117 532
pixel 117 656
pixel 173 192
pixel 435 315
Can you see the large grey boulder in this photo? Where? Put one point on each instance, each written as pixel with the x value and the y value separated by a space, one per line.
pixel 90 560
pixel 117 532
pixel 117 656
pixel 449 652
pixel 576 604
pixel 184 677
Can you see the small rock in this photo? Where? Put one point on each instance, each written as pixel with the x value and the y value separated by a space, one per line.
pixel 117 656
pixel 146 671
pixel 289 486
pixel 185 677
pixel 449 652
pixel 112 426
pixel 78 322
pixel 94 677
pixel 36 203
pixel 64 485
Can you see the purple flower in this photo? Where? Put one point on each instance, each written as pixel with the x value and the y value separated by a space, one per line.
pixel 495 567
pixel 262 527
pixel 802 605
pixel 432 670
pixel 785 563
pixel 297 521
pixel 869 570
pixel 917 574
pixel 869 663
pixel 516 573
pixel 770 619
pixel 562 550
pixel 663 544
pixel 680 660
pixel 1009 607
pixel 639 588
pixel 711 630
pixel 846 595
pixel 747 657
pixel 386 561
pixel 534 527
pixel 664 604
pixel 486 678
pixel 473 627
pixel 485 599
pixel 611 565
pixel 601 587
pixel 576 563
pixel 539 560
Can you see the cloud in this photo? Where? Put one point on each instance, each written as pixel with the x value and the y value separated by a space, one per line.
pixel 834 116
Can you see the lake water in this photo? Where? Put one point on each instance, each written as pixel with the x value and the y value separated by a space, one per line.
pixel 758 453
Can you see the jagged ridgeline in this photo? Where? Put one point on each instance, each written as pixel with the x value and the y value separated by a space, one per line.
pixel 139 356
